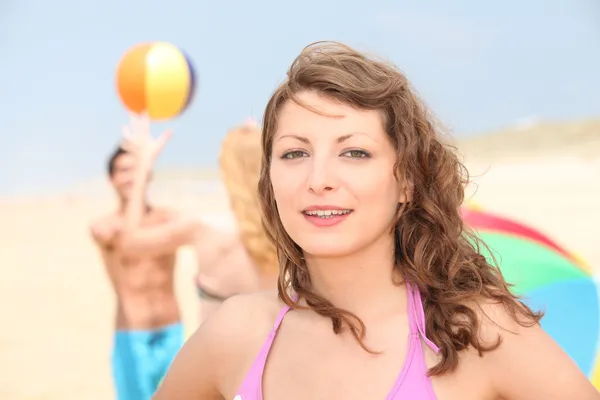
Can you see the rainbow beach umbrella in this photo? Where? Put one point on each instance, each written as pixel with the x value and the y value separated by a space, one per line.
pixel 549 278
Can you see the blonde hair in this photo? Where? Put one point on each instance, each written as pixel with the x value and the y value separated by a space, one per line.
pixel 240 159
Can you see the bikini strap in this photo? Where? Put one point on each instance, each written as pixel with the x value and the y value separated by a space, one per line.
pixel 416 315
pixel 282 314
pixel 254 377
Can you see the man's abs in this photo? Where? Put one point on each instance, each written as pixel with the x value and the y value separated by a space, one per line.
pixel 145 292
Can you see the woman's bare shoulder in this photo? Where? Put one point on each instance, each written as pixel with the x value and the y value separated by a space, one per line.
pixel 248 313
pixel 215 359
pixel 528 363
pixel 242 321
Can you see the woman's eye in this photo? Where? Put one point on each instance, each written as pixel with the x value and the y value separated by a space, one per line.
pixel 294 154
pixel 356 154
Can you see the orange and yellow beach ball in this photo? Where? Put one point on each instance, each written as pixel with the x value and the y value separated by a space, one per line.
pixel 156 78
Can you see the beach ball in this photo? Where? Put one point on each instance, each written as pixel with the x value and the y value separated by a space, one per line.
pixel 549 278
pixel 157 78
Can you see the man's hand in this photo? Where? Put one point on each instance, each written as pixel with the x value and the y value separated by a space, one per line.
pixel 138 140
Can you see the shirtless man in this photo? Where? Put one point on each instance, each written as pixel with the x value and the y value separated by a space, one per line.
pixel 140 265
pixel 224 266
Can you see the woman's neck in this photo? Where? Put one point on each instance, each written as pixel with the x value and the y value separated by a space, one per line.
pixel 365 283
pixel 267 280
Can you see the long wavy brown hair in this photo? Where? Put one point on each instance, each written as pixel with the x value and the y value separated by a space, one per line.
pixel 434 250
pixel 240 159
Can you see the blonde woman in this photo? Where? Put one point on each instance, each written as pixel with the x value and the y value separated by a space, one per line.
pixel 245 261
pixel 229 263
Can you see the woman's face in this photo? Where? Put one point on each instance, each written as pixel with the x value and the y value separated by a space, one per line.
pixel 333 176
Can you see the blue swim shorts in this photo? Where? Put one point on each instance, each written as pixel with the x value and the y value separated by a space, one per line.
pixel 141 358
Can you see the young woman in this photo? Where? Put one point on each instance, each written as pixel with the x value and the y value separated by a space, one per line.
pixel 382 292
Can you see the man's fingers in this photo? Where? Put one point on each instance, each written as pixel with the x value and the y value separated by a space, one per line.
pixel 127 134
pixel 145 122
pixel 164 138
pixel 140 124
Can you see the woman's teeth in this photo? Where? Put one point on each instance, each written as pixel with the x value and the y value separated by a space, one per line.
pixel 327 213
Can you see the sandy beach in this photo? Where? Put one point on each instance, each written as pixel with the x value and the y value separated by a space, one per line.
pixel 57 305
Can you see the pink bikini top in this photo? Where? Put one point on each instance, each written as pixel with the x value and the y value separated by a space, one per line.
pixel 412 382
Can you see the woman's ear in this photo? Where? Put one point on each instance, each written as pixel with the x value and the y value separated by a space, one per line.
pixel 406 192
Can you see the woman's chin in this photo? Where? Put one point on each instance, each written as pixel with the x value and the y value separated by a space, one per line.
pixel 330 249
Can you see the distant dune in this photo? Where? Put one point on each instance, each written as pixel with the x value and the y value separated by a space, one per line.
pixel 579 139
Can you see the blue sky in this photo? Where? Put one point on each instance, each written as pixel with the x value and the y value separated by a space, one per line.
pixel 480 65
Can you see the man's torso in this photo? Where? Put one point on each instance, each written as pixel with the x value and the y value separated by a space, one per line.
pixel 144 285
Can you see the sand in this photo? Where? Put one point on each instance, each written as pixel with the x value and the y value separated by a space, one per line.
pixel 57 305
pixel 558 196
